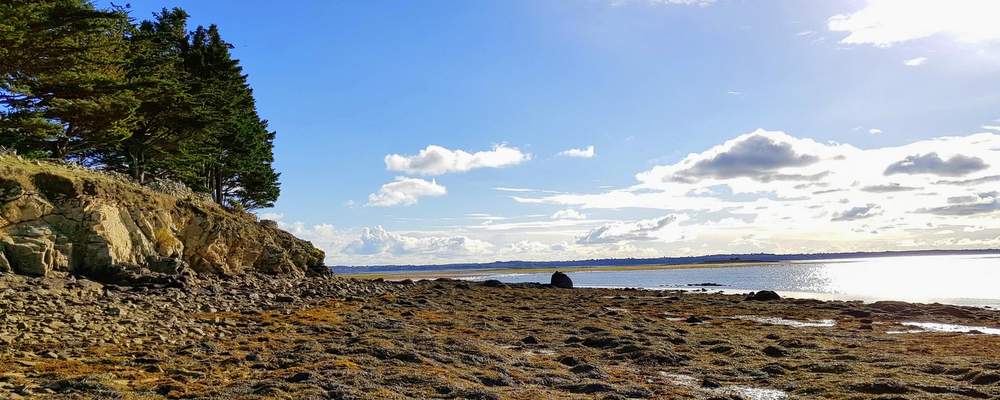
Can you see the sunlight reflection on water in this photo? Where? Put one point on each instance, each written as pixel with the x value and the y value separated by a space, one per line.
pixel 965 280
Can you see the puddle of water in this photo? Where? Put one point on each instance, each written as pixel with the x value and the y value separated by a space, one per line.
pixel 746 392
pixel 680 380
pixel 906 331
pixel 952 328
pixel 821 323
pixel 752 393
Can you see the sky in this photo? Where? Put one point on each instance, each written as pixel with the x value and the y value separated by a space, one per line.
pixel 469 131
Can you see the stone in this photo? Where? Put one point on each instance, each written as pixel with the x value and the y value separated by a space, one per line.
pixel 775 351
pixel 764 295
pixel 300 377
pixel 493 283
pixel 30 256
pixel 561 280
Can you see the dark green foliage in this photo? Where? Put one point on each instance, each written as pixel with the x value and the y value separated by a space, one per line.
pixel 151 99
pixel 62 77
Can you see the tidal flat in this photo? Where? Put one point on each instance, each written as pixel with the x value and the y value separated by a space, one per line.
pixel 258 337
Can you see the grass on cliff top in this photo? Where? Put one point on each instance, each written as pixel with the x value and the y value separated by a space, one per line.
pixel 22 169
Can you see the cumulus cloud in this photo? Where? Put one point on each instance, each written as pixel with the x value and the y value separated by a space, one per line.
pixel 759 155
pixel 579 153
pixel 915 62
pixel 883 23
pixel 786 203
pixel 932 163
pixel 378 241
pixel 728 199
pixel 437 160
pixel 856 213
pixel 647 229
pixel 980 203
pixel 524 247
pixel 404 192
pixel 568 213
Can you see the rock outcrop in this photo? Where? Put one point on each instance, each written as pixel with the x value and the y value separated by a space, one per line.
pixel 62 219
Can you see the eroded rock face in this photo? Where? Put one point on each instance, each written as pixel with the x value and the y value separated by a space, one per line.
pixel 114 231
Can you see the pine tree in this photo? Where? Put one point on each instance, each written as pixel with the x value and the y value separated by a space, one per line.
pixel 168 113
pixel 62 75
pixel 150 99
pixel 233 160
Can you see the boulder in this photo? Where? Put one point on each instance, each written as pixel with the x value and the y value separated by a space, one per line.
pixel 561 280
pixel 764 295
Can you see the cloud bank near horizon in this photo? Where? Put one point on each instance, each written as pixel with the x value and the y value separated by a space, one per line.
pixel 760 191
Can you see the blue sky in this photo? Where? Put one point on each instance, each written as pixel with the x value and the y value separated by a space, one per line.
pixel 670 94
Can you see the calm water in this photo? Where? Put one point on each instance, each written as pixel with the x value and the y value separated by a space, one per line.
pixel 963 280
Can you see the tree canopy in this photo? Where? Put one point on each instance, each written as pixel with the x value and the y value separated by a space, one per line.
pixel 153 99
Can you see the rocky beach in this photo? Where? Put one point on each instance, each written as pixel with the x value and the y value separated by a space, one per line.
pixel 109 289
pixel 262 337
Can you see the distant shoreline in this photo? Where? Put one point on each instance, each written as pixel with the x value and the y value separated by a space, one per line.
pixel 625 264
pixel 468 273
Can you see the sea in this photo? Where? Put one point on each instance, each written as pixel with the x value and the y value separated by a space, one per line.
pixel 970 280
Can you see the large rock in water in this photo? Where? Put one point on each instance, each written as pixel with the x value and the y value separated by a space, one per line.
pixel 56 218
pixel 561 280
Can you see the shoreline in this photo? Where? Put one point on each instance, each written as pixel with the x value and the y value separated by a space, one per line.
pixel 331 337
pixel 468 273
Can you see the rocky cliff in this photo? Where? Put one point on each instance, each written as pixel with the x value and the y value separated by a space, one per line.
pixel 61 219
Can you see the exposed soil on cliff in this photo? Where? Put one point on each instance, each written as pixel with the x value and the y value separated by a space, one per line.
pixel 328 337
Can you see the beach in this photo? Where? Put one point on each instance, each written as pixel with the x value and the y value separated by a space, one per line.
pixel 331 337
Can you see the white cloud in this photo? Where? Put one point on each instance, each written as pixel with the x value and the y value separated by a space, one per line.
pixel 378 241
pixel 913 62
pixel 580 153
pixel 405 191
pixel 761 191
pixel 734 92
pixel 883 23
pixel 789 189
pixel 992 127
pixel 856 213
pixel 568 213
pixel 760 155
pixel 874 131
pixel 932 163
pixel 642 230
pixel 271 216
pixel 437 160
